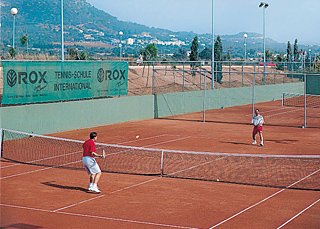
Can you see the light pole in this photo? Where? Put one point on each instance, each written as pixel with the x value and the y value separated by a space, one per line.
pixel 245 36
pixel 264 5
pixel 13 12
pixel 310 58
pixel 212 38
pixel 120 44
pixel 62 33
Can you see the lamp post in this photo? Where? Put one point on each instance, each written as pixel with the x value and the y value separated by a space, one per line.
pixel 120 44
pixel 310 58
pixel 212 38
pixel 245 36
pixel 62 33
pixel 13 12
pixel 264 6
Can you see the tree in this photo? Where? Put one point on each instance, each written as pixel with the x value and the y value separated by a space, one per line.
pixel 296 51
pixel 194 49
pixel 12 52
pixel 74 54
pixel 218 60
pixel 150 52
pixel 289 52
pixel 24 39
pixel 269 55
pixel 194 52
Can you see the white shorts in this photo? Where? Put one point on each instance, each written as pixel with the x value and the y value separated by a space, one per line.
pixel 91 165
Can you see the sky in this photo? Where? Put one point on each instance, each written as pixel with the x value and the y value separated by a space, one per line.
pixel 286 20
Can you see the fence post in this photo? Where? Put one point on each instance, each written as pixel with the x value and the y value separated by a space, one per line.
pixel 253 88
pixel 153 86
pixel 305 101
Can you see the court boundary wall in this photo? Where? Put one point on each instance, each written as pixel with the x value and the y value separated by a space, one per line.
pixel 63 116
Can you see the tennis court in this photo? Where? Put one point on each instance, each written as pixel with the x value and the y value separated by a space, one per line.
pixel 239 186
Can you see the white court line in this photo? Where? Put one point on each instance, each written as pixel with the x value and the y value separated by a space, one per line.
pixel 311 205
pixel 265 199
pixel 99 217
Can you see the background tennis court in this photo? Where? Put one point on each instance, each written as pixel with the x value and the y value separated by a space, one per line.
pixel 40 196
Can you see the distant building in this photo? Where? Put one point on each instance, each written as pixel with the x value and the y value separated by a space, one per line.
pixel 130 41
pixel 145 34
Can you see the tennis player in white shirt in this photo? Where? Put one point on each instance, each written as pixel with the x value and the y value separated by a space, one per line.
pixel 257 122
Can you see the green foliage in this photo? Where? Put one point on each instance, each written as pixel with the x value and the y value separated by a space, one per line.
pixel 194 49
pixel 150 52
pixel 12 52
pixel 218 58
pixel 24 39
pixel 296 51
pixel 181 54
pixel 74 54
pixel 289 52
pixel 269 55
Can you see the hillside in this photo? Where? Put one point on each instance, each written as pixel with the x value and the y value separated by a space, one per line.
pixel 96 31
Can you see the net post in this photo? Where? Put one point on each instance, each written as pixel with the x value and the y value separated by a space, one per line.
pixel 161 163
pixel 305 102
pixel 1 141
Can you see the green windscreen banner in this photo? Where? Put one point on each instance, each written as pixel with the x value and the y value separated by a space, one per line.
pixel 313 84
pixel 48 81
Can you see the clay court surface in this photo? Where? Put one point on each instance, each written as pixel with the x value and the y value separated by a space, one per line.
pixel 45 197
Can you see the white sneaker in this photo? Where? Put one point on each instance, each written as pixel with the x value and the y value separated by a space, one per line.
pixel 254 142
pixel 261 144
pixel 90 187
pixel 95 190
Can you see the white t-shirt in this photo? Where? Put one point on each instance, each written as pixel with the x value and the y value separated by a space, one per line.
pixel 257 120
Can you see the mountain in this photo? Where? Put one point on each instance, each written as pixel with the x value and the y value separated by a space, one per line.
pixel 97 32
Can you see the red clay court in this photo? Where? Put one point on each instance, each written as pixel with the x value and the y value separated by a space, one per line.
pixel 34 196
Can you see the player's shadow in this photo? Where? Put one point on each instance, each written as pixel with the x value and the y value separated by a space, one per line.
pixel 52 184
pixel 21 226
pixel 237 143
pixel 282 141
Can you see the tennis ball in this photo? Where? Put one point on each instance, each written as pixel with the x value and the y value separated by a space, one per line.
pixel 137 136
pixel 218 180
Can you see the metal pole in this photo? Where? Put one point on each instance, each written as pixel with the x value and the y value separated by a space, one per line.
pixel 62 33
pixel 13 31
pixel 264 45
pixel 162 163
pixel 204 98
pixel 183 76
pixel 253 88
pixel 212 62
pixel 1 54
pixel 153 87
pixel 245 47
pixel 305 102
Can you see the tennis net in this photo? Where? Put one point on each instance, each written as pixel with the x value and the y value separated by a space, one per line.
pixel 280 171
pixel 299 100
